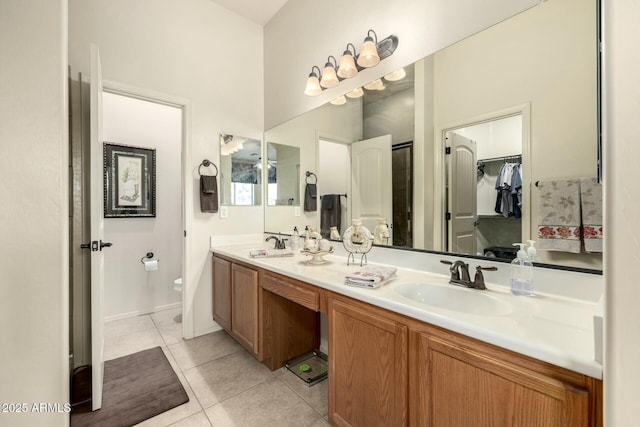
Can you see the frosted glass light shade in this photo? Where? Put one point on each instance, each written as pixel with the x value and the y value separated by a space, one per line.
pixel 347 67
pixel 313 86
pixel 341 100
pixel 368 54
pixel 356 93
pixel 329 77
pixel 374 85
pixel 396 75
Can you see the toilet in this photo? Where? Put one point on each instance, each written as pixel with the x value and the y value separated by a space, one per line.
pixel 177 284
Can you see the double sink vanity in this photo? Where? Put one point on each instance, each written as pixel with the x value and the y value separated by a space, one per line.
pixel 416 351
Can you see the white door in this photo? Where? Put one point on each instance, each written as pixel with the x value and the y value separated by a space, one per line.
pixel 462 194
pixel 371 182
pixel 97 232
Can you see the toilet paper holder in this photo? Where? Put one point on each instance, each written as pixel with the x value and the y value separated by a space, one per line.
pixel 149 255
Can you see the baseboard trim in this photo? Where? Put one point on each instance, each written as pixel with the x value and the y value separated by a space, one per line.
pixel 143 312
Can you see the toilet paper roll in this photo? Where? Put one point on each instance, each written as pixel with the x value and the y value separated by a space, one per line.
pixel 151 265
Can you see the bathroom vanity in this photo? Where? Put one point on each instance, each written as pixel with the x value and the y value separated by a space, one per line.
pixel 394 360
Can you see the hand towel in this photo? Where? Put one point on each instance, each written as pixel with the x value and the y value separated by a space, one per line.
pixel 330 214
pixel 370 276
pixel 591 201
pixel 310 201
pixel 559 215
pixel 208 194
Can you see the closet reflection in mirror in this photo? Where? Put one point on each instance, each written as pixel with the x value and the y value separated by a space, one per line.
pixel 540 65
pixel 283 170
pixel 485 207
pixel 241 176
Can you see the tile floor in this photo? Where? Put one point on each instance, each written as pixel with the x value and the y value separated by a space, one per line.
pixel 225 384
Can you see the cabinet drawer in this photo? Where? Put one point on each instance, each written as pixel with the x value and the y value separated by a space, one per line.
pixel 287 289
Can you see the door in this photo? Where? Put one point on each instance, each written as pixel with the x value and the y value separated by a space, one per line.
pixel 371 182
pixel 462 194
pixel 222 292
pixel 244 306
pixel 97 232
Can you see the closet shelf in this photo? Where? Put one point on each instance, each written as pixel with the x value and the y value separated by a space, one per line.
pixel 497 216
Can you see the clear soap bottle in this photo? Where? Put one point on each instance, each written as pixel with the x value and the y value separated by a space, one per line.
pixel 521 273
pixel 295 239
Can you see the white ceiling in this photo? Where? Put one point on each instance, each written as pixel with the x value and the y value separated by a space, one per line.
pixel 258 11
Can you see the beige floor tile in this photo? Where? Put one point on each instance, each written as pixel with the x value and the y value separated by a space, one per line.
pixel 122 345
pixel 268 404
pixel 203 349
pixel 321 422
pixel 181 412
pixel 167 317
pixel 171 333
pixel 127 326
pixel 317 395
pixel 225 377
pixel 197 420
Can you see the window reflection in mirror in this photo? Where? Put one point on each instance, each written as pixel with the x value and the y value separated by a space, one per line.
pixel 240 162
pixel 283 170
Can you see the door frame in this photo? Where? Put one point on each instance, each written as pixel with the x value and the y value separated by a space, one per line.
pixel 188 290
pixel 440 178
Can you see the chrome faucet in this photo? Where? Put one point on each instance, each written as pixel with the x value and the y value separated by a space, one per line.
pixel 460 274
pixel 279 243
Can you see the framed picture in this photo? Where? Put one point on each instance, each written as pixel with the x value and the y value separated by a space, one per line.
pixel 129 181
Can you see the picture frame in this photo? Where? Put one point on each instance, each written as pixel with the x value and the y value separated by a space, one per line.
pixel 129 181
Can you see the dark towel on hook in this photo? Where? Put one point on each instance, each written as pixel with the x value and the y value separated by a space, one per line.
pixel 310 198
pixel 330 214
pixel 208 193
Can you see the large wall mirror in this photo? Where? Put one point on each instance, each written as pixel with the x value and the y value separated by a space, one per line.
pixel 240 170
pixel 425 153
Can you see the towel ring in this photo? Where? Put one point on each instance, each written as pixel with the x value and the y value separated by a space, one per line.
pixel 207 163
pixel 308 174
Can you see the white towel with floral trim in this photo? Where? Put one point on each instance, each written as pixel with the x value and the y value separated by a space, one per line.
pixel 591 201
pixel 370 276
pixel 559 227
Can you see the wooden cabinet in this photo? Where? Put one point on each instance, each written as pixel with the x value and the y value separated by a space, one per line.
pixel 222 292
pixel 460 381
pixel 367 366
pixel 235 301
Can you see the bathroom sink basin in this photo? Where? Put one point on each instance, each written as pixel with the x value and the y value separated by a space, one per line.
pixel 454 298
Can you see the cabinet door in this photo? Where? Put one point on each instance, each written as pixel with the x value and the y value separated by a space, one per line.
pixel 460 386
pixel 367 367
pixel 222 292
pixel 244 306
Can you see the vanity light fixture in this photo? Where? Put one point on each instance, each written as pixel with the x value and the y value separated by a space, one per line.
pixel 396 75
pixel 356 93
pixel 347 67
pixel 371 54
pixel 341 100
pixel 313 83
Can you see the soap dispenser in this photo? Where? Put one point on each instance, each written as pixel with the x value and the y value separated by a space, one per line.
pixel 531 250
pixel 521 273
pixel 295 239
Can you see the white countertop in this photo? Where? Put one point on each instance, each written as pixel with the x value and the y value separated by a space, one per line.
pixel 550 328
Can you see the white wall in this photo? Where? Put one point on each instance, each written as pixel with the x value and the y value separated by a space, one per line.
pixel 129 289
pixel 194 50
pixel 497 138
pixel 622 246
pixel 392 115
pixel 309 33
pixel 34 214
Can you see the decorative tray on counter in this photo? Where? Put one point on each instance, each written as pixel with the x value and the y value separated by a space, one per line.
pixel 316 256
